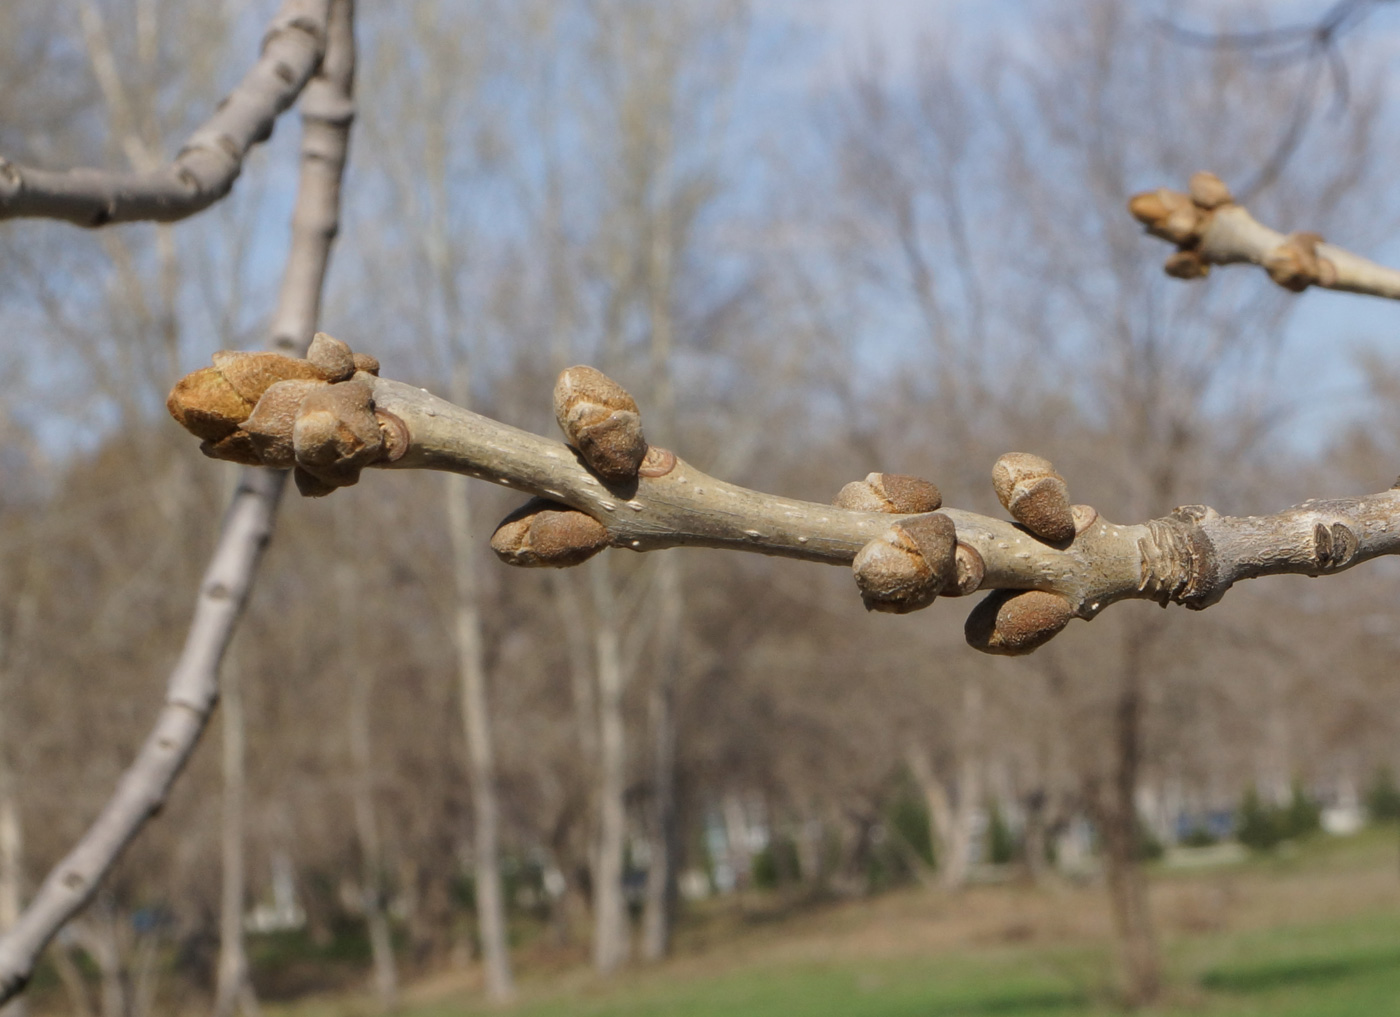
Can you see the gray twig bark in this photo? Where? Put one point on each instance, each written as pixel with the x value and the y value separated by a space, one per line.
pixel 209 161
pixel 1190 557
pixel 327 111
pixel 1209 228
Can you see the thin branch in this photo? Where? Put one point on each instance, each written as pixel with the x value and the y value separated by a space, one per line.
pixel 210 160
pixel 1190 557
pixel 1056 562
pixel 327 111
pixel 1208 228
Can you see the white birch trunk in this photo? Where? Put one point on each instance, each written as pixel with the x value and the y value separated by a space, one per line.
pixel 661 889
pixel 481 763
pixel 386 980
pixel 611 934
pixel 11 830
pixel 234 989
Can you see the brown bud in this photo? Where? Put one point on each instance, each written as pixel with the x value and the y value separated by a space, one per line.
pixel 546 534
pixel 1147 208
pixel 252 374
pixel 336 433
pixel 889 492
pixel 1182 225
pixel 364 362
pixel 272 422
pixel 1186 265
pixel 1168 214
pixel 657 462
pixel 395 434
pixel 237 447
pixel 213 402
pixel 1035 495
pixel 908 565
pixel 331 356
pixel 970 571
pixel 1209 191
pixel 602 421
pixel 1013 622
pixel 206 405
pixel 1084 517
pixel 311 486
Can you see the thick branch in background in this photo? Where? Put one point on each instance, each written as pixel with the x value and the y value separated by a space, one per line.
pixel 1208 228
pixel 1054 563
pixel 327 111
pixel 208 163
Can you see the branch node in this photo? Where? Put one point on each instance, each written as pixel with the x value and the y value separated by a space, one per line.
pixel 1335 545
pixel 1295 264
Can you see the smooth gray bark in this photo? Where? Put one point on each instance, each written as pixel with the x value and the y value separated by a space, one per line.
pixel 611 928
pixel 327 111
pixel 481 759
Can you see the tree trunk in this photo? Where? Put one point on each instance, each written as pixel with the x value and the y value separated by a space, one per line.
pixel 969 801
pixel 952 821
pixel 61 952
pixel 1116 816
pixel 610 925
pixel 11 834
pixel 386 980
pixel 476 722
pixel 936 801
pixel 99 936
pixel 1035 838
pixel 234 988
pixel 736 837
pixel 661 890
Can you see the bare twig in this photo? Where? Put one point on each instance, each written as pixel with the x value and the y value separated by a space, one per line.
pixel 1208 228
pixel 1313 44
pixel 210 160
pixel 1056 562
pixel 327 111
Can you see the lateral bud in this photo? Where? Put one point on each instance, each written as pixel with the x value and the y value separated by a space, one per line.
pixel 1295 264
pixel 970 572
pixel 332 356
pixel 1208 191
pixel 1168 214
pixel 335 436
pixel 213 402
pixel 1015 622
pixel 273 420
pixel 1035 495
pixel 546 534
pixel 889 492
pixel 909 565
pixel 1186 265
pixel 601 420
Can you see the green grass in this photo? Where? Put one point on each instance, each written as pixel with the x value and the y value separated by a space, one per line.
pixel 1289 949
pixel 1347 969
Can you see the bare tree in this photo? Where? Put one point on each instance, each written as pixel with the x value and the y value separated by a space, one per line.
pixel 294 54
pixel 1091 352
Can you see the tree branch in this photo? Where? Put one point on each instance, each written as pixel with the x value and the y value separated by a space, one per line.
pixel 193 687
pixel 210 160
pixel 1054 563
pixel 1208 228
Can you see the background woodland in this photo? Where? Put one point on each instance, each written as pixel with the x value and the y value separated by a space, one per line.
pixel 901 264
